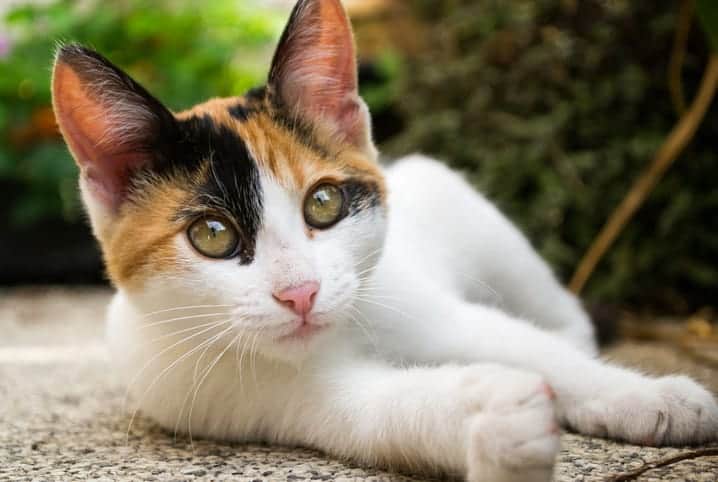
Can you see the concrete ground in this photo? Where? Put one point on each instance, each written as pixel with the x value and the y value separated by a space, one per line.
pixel 61 415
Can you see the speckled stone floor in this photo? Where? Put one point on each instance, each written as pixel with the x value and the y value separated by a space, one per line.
pixel 61 414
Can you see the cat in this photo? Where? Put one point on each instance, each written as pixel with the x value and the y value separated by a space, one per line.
pixel 276 284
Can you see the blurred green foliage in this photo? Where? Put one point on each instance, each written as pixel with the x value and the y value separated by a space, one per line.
pixel 708 16
pixel 553 107
pixel 386 89
pixel 182 51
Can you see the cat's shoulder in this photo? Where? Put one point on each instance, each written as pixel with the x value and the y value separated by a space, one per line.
pixel 416 164
pixel 418 176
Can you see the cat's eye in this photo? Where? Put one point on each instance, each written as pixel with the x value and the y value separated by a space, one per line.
pixel 324 206
pixel 214 237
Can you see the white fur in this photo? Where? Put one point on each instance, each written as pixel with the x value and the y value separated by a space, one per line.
pixel 437 355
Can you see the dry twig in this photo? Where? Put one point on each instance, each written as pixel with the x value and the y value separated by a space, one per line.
pixel 674 144
pixel 634 474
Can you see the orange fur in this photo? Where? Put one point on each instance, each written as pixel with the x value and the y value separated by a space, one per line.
pixel 141 242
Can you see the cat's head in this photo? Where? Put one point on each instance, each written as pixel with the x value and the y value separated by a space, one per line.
pixel 269 205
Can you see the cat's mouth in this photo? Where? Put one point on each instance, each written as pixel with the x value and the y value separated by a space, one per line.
pixel 304 331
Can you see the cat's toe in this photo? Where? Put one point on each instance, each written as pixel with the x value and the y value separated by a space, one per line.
pixel 671 410
pixel 691 414
pixel 516 437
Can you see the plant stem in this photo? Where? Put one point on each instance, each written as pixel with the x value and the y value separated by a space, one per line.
pixel 672 147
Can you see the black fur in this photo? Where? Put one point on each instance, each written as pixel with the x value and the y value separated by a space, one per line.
pixel 242 111
pixel 256 96
pixel 282 113
pixel 232 185
pixel 181 148
pixel 285 48
pixel 360 195
pixel 107 82
pixel 301 131
pixel 263 99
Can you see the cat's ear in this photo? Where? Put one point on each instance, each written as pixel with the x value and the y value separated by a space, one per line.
pixel 111 124
pixel 314 71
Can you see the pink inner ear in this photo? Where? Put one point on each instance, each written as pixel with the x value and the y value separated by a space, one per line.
pixel 104 159
pixel 318 73
pixel 339 64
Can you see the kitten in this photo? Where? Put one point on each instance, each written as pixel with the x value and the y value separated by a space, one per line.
pixel 275 284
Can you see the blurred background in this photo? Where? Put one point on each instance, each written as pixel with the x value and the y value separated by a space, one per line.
pixel 553 108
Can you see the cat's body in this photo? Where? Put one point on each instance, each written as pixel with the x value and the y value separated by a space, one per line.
pixel 275 284
pixel 427 303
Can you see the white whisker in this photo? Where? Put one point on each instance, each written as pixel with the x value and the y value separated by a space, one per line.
pixel 191 328
pixel 382 305
pixel 188 307
pixel 363 326
pixel 157 355
pixel 199 385
pixel 166 370
pixel 188 317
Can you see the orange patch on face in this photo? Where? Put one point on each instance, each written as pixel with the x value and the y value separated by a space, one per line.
pixel 284 155
pixel 142 240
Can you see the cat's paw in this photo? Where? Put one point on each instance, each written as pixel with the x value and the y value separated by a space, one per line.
pixel 514 437
pixel 672 410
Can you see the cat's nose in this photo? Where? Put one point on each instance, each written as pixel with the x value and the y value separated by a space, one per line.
pixel 299 299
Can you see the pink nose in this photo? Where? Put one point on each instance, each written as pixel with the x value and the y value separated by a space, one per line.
pixel 299 299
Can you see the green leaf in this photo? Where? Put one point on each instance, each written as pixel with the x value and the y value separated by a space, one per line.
pixel 708 15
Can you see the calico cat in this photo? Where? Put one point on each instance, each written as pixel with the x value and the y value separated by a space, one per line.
pixel 275 284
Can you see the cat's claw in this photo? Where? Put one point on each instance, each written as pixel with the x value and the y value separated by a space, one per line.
pixel 671 410
pixel 515 437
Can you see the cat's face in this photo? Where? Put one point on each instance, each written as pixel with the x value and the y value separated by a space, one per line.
pixel 269 207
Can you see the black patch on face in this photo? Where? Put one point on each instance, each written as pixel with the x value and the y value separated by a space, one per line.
pixel 360 195
pixel 232 186
pixel 175 148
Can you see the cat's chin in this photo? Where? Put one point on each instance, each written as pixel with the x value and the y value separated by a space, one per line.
pixel 299 345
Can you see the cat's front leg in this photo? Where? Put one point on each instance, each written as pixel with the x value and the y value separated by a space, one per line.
pixel 594 397
pixel 483 422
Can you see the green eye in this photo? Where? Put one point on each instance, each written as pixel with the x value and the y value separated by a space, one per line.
pixel 214 237
pixel 324 206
